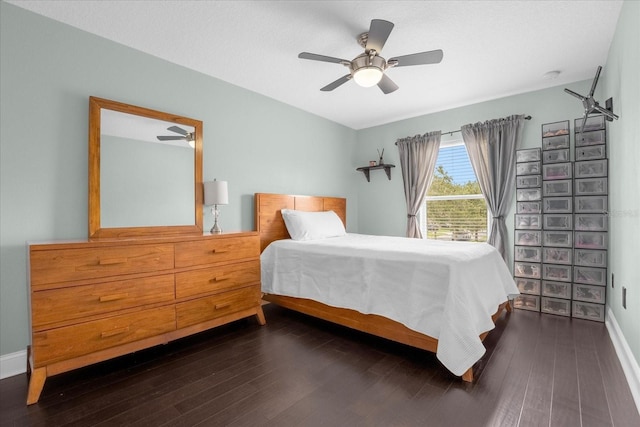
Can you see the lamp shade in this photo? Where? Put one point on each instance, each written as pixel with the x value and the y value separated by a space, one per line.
pixel 216 193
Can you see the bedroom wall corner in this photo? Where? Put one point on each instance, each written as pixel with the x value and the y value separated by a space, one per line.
pixel 630 366
pixel 620 81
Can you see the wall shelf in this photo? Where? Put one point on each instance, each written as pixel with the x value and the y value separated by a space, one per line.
pixel 366 169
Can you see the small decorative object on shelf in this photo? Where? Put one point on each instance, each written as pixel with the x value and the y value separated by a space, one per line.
pixel 372 162
pixel 381 161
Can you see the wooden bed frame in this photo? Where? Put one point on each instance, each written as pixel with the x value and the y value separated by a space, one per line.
pixel 270 226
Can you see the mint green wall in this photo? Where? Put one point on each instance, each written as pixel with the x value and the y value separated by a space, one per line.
pixel 382 207
pixel 48 70
pixel 620 80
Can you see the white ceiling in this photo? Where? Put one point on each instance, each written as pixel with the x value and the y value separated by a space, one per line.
pixel 491 49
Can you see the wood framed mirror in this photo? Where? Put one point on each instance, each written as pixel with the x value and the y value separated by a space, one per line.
pixel 145 172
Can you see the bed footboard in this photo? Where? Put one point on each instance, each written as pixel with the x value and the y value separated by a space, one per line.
pixel 371 323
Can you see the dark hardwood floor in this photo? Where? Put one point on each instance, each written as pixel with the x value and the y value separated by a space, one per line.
pixel 538 370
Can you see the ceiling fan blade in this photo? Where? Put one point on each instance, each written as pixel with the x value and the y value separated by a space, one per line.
pixel 595 81
pixel 171 138
pixel 422 58
pixel 177 129
pixel 323 58
pixel 577 95
pixel 331 86
pixel 379 31
pixel 387 85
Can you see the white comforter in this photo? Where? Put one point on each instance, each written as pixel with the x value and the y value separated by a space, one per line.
pixel 447 290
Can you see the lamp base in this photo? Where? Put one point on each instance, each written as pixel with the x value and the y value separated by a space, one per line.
pixel 216 229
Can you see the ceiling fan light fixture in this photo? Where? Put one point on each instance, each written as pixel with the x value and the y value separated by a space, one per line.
pixel 367 76
pixel 367 69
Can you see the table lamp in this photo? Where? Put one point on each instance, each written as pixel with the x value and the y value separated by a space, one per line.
pixel 216 193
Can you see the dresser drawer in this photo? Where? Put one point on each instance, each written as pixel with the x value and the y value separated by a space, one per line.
pixel 59 344
pixel 216 250
pixel 73 303
pixel 213 279
pixel 208 308
pixel 61 265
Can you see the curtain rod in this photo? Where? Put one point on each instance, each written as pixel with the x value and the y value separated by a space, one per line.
pixel 451 132
pixel 455 131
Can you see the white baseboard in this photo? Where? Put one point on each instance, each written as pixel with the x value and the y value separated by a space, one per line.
pixel 13 364
pixel 629 364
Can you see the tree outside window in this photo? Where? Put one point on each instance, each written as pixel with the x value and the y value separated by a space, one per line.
pixel 455 208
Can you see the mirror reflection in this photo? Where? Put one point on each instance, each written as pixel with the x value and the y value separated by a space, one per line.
pixel 146 172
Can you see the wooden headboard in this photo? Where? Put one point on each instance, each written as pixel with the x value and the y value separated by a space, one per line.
pixel 269 222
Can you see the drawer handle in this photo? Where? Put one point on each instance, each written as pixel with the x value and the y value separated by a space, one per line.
pixel 218 251
pixel 219 279
pixel 112 261
pixel 221 306
pixel 114 332
pixel 115 297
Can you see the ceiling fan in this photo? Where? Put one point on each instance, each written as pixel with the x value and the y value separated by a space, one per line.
pixel 186 136
pixel 591 106
pixel 368 69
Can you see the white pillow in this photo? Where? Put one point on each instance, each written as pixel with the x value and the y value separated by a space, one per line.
pixel 303 225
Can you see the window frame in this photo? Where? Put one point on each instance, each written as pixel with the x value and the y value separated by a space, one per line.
pixel 422 213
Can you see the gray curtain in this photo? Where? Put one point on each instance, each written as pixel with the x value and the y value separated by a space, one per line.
pixel 492 150
pixel 418 155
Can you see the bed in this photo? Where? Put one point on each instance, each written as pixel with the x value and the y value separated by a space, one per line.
pixel 449 318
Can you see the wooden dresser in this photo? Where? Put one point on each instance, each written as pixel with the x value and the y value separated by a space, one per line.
pixel 95 300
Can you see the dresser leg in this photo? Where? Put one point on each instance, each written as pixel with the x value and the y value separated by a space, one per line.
pixel 468 375
pixel 28 361
pixel 36 383
pixel 260 316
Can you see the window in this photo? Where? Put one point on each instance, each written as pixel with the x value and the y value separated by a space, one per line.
pixel 455 208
